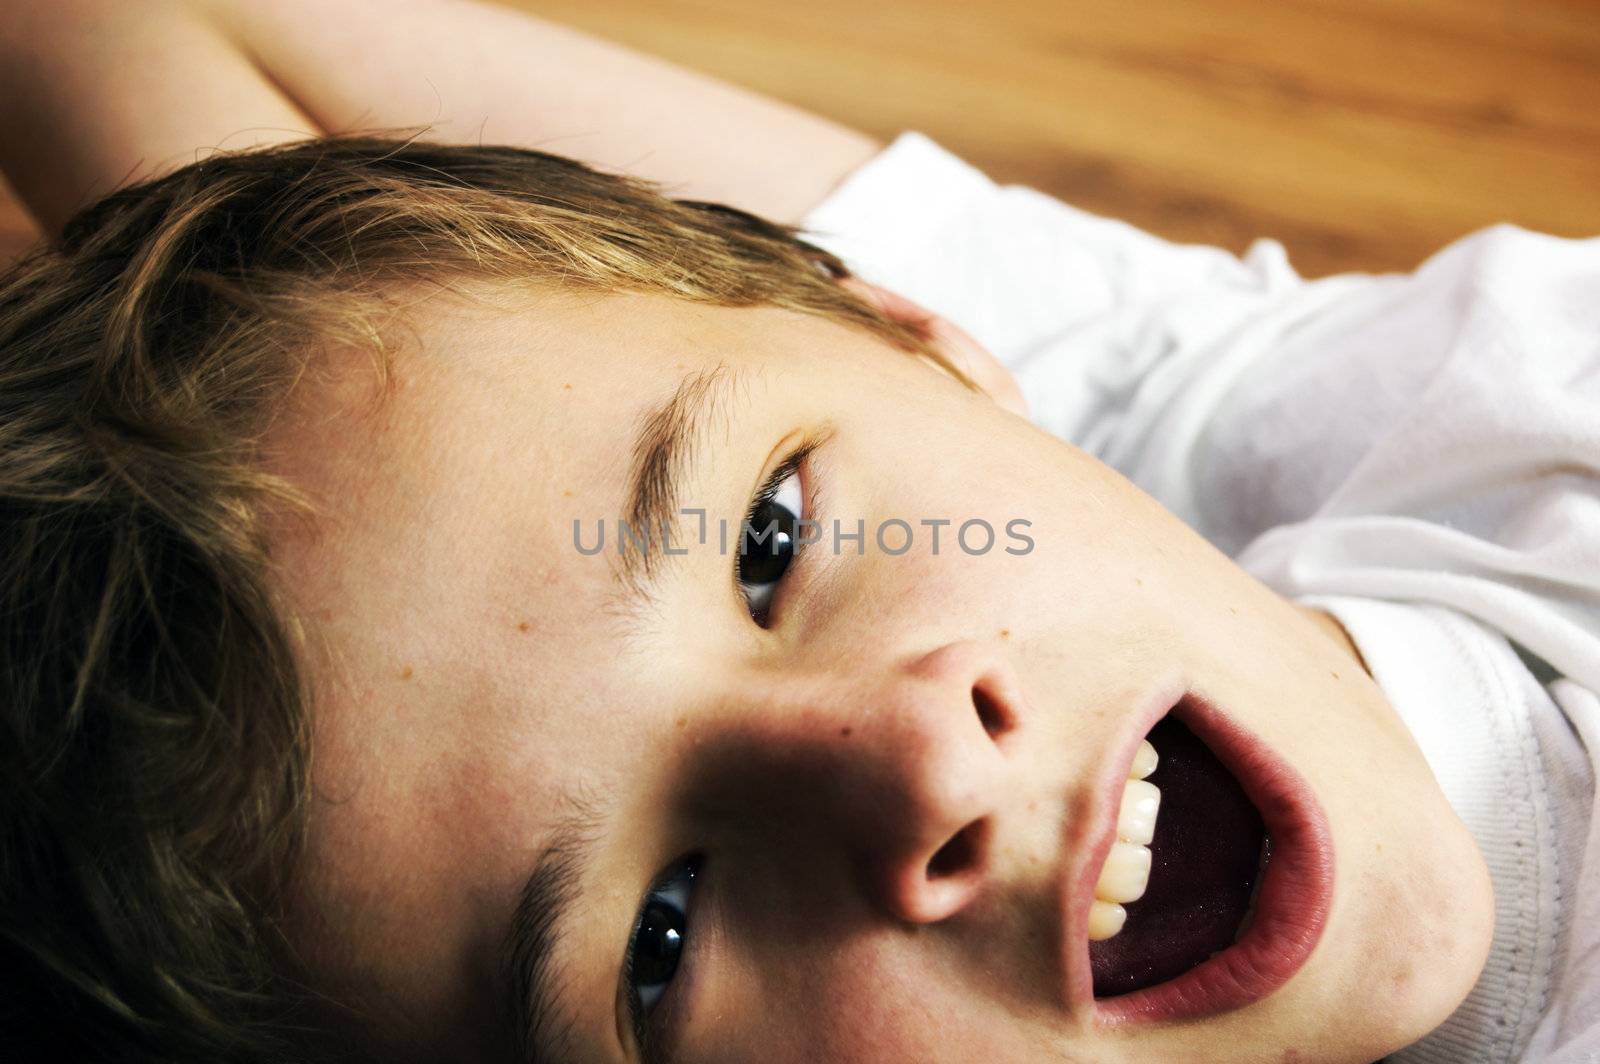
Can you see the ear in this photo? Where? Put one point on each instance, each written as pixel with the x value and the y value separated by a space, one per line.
pixel 952 341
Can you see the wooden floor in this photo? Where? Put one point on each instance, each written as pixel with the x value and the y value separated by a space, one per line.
pixel 1364 134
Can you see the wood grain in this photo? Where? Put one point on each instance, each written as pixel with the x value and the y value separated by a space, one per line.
pixel 1364 134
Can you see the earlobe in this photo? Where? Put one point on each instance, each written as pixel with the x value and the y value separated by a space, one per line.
pixel 952 341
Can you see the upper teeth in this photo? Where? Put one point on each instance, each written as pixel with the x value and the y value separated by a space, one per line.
pixel 1127 868
pixel 1137 821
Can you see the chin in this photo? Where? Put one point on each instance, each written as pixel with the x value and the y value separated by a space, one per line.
pixel 1416 972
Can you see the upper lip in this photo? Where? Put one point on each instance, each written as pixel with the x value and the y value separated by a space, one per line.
pixel 1095 843
pixel 1295 893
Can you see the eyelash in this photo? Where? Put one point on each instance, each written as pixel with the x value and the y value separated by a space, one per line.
pixel 643 1025
pixel 765 495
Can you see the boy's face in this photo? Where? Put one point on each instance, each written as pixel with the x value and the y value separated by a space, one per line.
pixel 491 701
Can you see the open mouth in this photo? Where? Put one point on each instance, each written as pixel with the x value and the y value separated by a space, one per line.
pixel 1217 879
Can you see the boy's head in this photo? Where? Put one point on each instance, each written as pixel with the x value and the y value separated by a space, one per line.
pixel 327 705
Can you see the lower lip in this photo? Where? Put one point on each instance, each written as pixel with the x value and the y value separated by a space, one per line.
pixel 1291 906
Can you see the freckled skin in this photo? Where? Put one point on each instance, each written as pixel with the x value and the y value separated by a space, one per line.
pixel 817 764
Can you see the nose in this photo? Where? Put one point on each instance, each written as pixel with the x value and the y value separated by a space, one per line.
pixel 906 771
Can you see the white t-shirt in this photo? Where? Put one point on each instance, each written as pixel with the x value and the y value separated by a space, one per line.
pixel 1418 454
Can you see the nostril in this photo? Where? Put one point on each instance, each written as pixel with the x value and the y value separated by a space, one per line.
pixel 962 853
pixel 996 721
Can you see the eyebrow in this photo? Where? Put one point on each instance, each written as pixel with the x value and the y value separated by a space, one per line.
pixel 541 1028
pixel 666 447
pixel 664 453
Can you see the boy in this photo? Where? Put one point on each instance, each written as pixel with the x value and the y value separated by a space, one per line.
pixel 335 728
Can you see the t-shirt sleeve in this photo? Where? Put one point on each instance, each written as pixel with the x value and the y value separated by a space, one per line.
pixel 1444 430
pixel 1014 267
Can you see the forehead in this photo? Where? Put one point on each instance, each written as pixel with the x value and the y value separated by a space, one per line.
pixel 498 426
pixel 440 555
pixel 458 660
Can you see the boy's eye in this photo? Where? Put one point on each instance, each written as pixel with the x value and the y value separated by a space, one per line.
pixel 659 938
pixel 768 539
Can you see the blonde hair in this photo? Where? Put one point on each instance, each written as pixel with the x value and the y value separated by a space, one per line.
pixel 152 763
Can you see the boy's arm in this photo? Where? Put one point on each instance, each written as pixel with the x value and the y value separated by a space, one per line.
pixel 474 71
pixel 108 91
pixel 99 93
